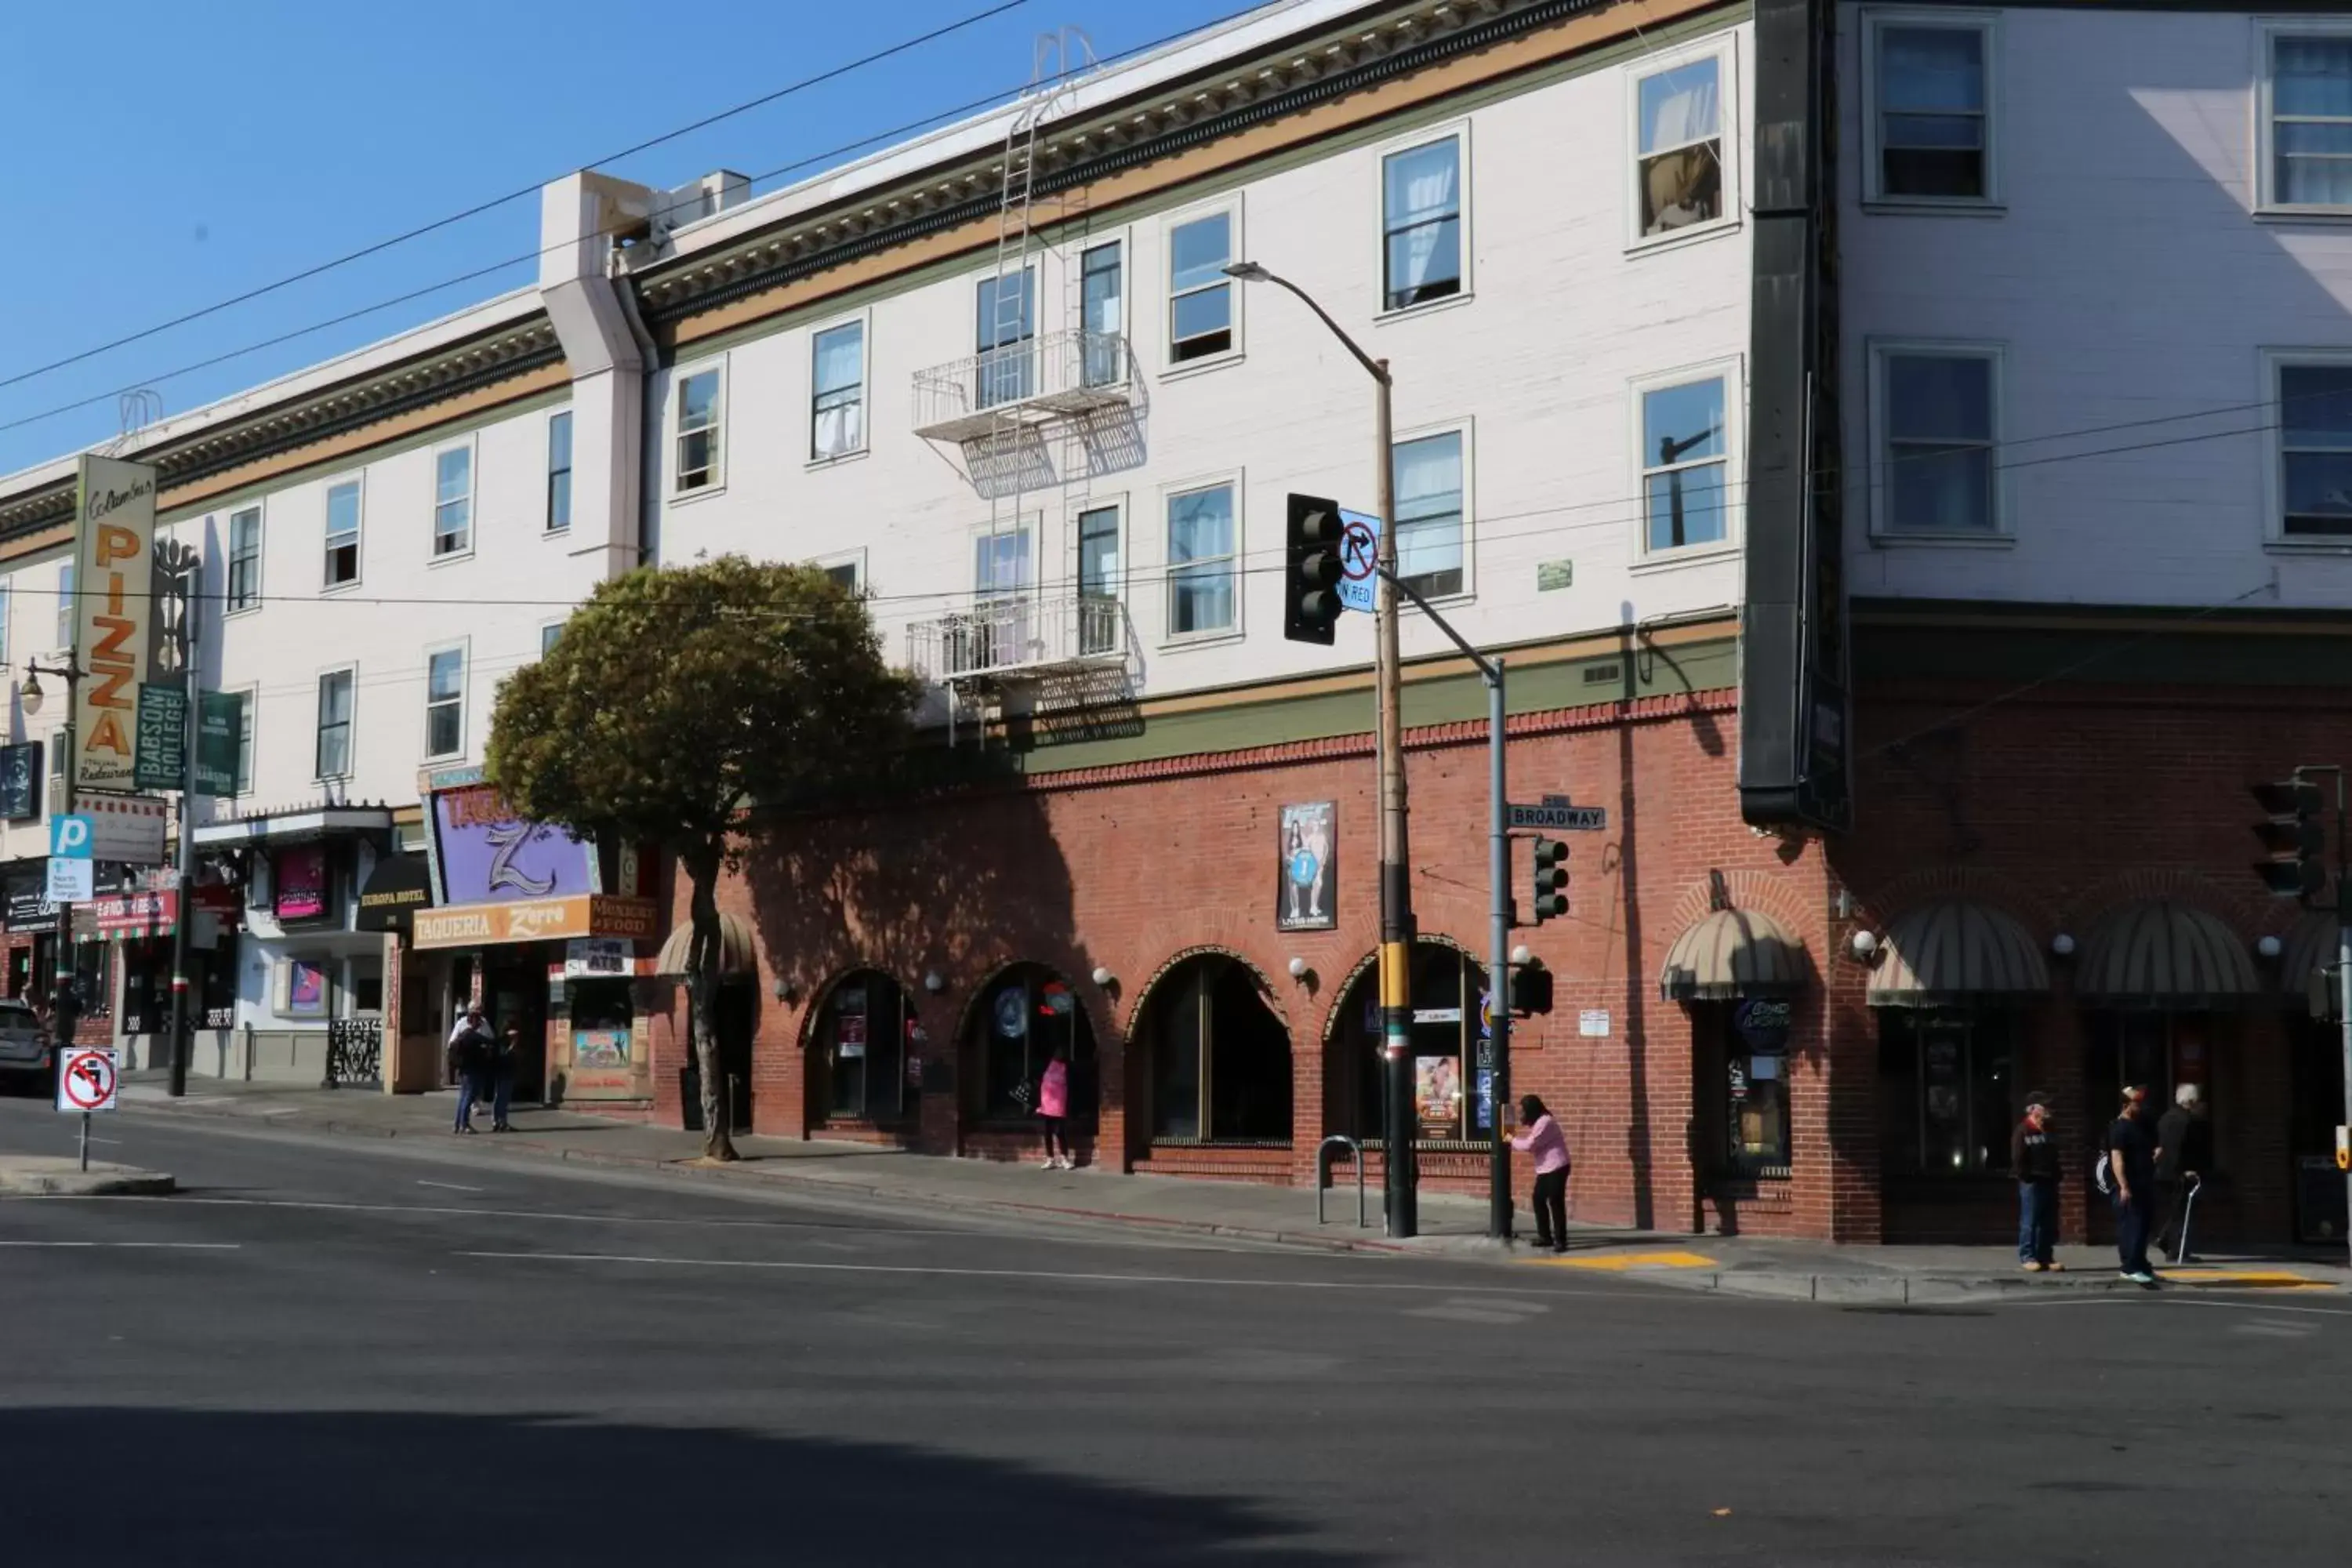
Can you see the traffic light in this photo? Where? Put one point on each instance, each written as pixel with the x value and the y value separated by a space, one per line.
pixel 2293 838
pixel 1551 879
pixel 1311 568
pixel 1530 990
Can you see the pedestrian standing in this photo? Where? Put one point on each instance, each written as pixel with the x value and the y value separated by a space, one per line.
pixel 2033 1159
pixel 1053 1107
pixel 469 1061
pixel 1544 1139
pixel 2131 1173
pixel 503 1061
pixel 2184 1151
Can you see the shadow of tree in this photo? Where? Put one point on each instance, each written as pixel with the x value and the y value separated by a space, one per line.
pixel 366 1488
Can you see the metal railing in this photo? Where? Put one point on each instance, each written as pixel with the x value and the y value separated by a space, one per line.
pixel 1037 378
pixel 1323 1175
pixel 354 1051
pixel 1015 633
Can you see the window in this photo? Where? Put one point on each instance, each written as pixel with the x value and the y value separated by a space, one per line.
pixel 1420 224
pixel 1678 148
pixel 1102 313
pixel 66 605
pixel 1027 1018
pixel 1098 580
pixel 445 702
pixel 2314 435
pixel 1948 1087
pixel 861 1037
pixel 1745 1047
pixel 342 567
pixel 1199 295
pixel 1428 480
pixel 549 636
pixel 559 470
pixel 843 576
pixel 1937 411
pixel 453 500
pixel 243 560
pixel 1001 577
pixel 2307 123
pixel 1202 563
pixel 3 625
pixel 847 569
pixel 1685 459
pixel 698 412
pixel 334 748
pixel 1007 322
pixel 1929 110
pixel 247 702
pixel 837 404
pixel 1221 1069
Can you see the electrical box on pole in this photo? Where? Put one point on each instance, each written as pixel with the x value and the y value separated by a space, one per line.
pixel 2294 838
pixel 1311 571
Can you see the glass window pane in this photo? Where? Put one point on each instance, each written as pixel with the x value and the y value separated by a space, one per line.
pixel 1930 69
pixel 1679 106
pixel 1683 424
pixel 1201 525
pixel 1428 481
pixel 1099 552
pixel 1938 397
pixel 1686 507
pixel 1939 490
pixel 2312 76
pixel 1199 315
pixel 1198 251
pixel 841 357
pixel 1424 263
pixel 1421 185
pixel 441 674
pixel 2315 404
pixel 549 636
pixel 1201 599
pixel 2319 493
pixel 1007 310
pixel 343 510
pixel 1001 562
pixel 559 442
pixel 454 473
pixel 697 401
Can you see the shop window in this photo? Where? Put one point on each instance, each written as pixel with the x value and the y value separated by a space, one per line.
pixel 1950 1091
pixel 1744 1053
pixel 1027 1014
pixel 1219 1058
pixel 94 977
pixel 861 1048
pixel 1451 1050
pixel 2159 1050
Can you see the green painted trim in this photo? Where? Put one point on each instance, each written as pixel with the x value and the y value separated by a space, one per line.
pixel 2082 657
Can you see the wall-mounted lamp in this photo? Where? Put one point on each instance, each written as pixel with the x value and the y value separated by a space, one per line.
pixel 1520 954
pixel 1298 967
pixel 2268 947
pixel 2063 945
pixel 1864 945
pixel 932 982
pixel 1104 977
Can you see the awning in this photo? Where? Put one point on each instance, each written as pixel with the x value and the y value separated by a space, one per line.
pixel 737 954
pixel 1958 953
pixel 320 822
pixel 1731 954
pixel 396 889
pixel 2304 965
pixel 2167 955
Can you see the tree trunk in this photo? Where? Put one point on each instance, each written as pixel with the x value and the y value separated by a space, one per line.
pixel 702 1006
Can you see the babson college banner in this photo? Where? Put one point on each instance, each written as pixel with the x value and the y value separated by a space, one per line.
pixel 114 610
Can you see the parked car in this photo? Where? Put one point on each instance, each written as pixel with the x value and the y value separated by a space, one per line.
pixel 25 1056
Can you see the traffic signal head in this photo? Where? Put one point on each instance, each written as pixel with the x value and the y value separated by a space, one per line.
pixel 1311 569
pixel 1551 879
pixel 1530 990
pixel 2293 838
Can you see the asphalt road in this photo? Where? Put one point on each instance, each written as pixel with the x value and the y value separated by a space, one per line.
pixel 334 1353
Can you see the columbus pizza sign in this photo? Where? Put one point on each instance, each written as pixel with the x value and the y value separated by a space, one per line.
pixel 113 618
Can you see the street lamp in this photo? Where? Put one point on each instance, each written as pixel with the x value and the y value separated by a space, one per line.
pixel 1396 893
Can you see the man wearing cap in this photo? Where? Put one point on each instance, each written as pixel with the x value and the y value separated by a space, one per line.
pixel 2033 1159
pixel 2131 1173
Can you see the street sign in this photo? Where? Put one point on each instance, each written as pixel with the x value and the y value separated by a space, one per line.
pixel 1560 817
pixel 220 723
pixel 126 827
pixel 1359 554
pixel 1593 1024
pixel 70 839
pixel 88 1081
pixel 162 758
pixel 71 881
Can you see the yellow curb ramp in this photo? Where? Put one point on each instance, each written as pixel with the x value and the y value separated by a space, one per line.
pixel 1626 1262
pixel 2245 1279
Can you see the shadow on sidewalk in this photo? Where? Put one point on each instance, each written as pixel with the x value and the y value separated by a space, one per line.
pixel 363 1488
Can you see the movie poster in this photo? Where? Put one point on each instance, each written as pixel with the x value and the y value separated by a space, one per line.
pixel 1309 896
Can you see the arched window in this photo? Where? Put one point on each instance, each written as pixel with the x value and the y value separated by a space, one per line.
pixel 1450 1046
pixel 1027 1013
pixel 859 1049
pixel 1220 1056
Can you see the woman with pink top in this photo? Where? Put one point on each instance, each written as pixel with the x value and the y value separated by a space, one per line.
pixel 1544 1139
pixel 1053 1105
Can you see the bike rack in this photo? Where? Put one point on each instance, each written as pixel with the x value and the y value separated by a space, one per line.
pixel 1323 1174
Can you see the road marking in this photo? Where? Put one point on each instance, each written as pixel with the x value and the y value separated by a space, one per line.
pixel 2248 1279
pixel 2277 1330
pixel 451 1187
pixel 2257 1307
pixel 1623 1262
pixel 1480 1309
pixel 184 1201
pixel 139 1245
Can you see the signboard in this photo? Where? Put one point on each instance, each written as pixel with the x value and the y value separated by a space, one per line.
pixel 70 839
pixel 1593 1024
pixel 398 887
pixel 30 908
pixel 114 580
pixel 126 827
pixel 70 882
pixel 1359 550
pixel 1437 1014
pixel 1437 1095
pixel 1762 1022
pixel 162 755
pixel 599 1048
pixel 87 1080
pixel 298 882
pixel 20 780
pixel 538 920
pixel 485 854
pixel 136 915
pixel 1308 843
pixel 220 730
pixel 596 958
pixel 1556 816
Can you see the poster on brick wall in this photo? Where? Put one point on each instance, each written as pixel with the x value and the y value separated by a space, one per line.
pixel 1309 899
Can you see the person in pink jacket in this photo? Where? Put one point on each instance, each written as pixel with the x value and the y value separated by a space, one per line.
pixel 1053 1105
pixel 1544 1139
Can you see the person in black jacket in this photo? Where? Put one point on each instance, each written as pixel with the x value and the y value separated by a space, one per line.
pixel 469 1064
pixel 2131 1174
pixel 2184 1151
pixel 2033 1160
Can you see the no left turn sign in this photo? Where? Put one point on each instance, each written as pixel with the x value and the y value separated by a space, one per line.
pixel 86 1081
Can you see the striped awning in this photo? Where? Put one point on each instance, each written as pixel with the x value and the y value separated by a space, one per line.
pixel 1958 953
pixel 736 954
pixel 2304 965
pixel 1731 954
pixel 2165 955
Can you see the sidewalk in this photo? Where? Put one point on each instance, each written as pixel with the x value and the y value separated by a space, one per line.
pixel 1450 1227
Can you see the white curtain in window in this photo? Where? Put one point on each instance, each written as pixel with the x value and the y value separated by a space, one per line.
pixel 1429 506
pixel 1421 192
pixel 1679 106
pixel 2310 101
pixel 841 412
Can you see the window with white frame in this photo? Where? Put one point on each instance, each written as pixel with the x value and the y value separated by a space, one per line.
pixel 1428 480
pixel 1679 147
pixel 1203 563
pixel 336 697
pixel 694 466
pixel 1685 464
pixel 837 396
pixel 243 560
pixel 2314 449
pixel 445 702
pixel 1929 81
pixel 453 500
pixel 1199 295
pixel 1938 419
pixel 249 703
pixel 1001 576
pixel 2306 119
pixel 1102 312
pixel 66 605
pixel 1005 332
pixel 549 636
pixel 1098 579
pixel 1420 224
pixel 343 563
pixel 559 470
pixel 847 575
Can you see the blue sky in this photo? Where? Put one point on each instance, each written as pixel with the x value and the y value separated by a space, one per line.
pixel 226 146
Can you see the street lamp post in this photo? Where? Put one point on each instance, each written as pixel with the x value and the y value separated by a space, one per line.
pixel 1396 891
pixel 65 1008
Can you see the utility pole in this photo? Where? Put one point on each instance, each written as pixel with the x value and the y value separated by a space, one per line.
pixel 191 728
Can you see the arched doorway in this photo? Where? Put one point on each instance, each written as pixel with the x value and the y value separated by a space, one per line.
pixel 1024 1016
pixel 1219 1056
pixel 857 1052
pixel 1450 1046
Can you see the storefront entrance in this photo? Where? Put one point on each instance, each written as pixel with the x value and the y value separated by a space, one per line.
pixel 858 1053
pixel 1450 1047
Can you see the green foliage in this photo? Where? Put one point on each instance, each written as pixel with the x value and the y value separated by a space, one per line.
pixel 676 696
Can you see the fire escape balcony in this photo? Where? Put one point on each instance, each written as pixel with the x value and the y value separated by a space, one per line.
pixel 1060 375
pixel 1002 640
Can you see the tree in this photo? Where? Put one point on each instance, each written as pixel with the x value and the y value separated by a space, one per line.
pixel 677 699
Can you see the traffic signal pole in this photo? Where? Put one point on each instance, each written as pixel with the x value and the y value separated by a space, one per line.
pixel 2293 839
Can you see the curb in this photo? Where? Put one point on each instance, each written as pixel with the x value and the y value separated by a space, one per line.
pixel 100 1181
